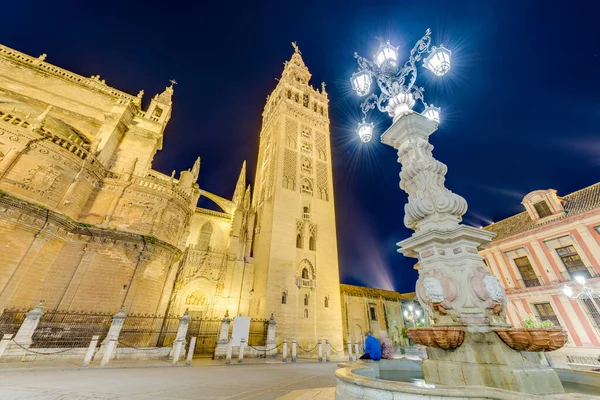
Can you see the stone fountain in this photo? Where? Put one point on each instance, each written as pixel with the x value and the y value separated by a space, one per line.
pixel 465 301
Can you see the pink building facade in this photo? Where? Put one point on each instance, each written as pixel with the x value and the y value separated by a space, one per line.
pixel 539 251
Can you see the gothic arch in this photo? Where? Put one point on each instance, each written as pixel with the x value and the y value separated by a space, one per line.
pixel 206 232
pixel 200 291
pixel 305 264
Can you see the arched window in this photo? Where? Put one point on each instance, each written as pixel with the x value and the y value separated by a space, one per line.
pixel 289 94
pixel 305 274
pixel 326 302
pixel 306 165
pixel 299 241
pixel 205 233
pixel 284 298
pixel 306 187
pixel 297 98
pixel 305 299
pixel 305 101
pixel 305 313
pixel 312 243
pixel 305 213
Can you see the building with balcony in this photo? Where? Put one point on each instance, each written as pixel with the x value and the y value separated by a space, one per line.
pixel 540 250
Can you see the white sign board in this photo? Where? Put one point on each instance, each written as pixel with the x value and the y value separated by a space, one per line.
pixel 241 329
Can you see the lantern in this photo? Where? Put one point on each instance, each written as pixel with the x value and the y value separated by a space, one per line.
pixel 432 112
pixel 361 82
pixel 568 290
pixel 438 61
pixel 386 57
pixel 365 131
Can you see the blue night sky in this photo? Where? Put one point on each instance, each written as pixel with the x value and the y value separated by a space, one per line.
pixel 520 104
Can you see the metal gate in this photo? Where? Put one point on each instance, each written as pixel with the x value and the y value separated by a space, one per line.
pixel 206 331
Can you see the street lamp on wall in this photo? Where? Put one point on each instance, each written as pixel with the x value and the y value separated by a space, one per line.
pixel 397 91
pixel 586 292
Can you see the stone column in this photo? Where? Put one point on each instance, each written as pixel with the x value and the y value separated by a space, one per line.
pixel 179 342
pixel 271 343
pixel 229 352
pixel 115 328
pixel 454 287
pixel 223 341
pixel 25 332
pixel 294 350
pixel 284 351
pixel 350 358
pixel 357 349
pixel 327 351
pixel 190 353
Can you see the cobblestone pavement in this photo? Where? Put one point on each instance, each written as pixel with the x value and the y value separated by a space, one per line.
pixel 205 381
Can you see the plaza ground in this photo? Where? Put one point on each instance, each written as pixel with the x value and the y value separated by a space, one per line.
pixel 204 380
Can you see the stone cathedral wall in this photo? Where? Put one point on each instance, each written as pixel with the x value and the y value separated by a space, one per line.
pixel 85 223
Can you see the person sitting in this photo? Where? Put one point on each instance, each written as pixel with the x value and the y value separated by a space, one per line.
pixel 387 349
pixel 372 348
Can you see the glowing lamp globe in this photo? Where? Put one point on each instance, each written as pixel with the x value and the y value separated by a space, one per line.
pixel 365 131
pixel 568 291
pixel 386 57
pixel 361 82
pixel 432 112
pixel 438 61
pixel 405 314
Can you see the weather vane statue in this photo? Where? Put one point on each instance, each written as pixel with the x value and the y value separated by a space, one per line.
pixel 397 90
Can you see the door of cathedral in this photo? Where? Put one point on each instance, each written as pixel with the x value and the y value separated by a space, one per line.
pixel 206 331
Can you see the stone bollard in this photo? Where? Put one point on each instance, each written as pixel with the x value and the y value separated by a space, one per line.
pixel 25 332
pixel 108 352
pixel 229 352
pixel 90 351
pixel 242 346
pixel 179 342
pixel 284 351
pixel 320 350
pixel 271 344
pixel 356 351
pixel 327 351
pixel 191 350
pixel 4 343
pixel 350 358
pixel 294 344
pixel 115 328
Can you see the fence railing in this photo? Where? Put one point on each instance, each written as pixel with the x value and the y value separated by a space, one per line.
pixel 11 319
pixel 60 329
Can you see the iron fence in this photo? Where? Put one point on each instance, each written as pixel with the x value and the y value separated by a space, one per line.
pixel 258 332
pixel 11 319
pixel 147 330
pixel 206 331
pixel 62 329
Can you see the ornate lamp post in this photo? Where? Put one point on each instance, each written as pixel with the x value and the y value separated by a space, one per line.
pixel 398 92
pixel 586 292
pixel 464 300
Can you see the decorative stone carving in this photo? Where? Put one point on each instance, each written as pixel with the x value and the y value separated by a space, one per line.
pixel 40 179
pixel 433 290
pixel 494 288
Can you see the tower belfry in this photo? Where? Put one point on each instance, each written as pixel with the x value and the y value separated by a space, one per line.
pixel 295 247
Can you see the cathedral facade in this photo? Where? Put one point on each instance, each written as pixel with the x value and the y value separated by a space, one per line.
pixel 87 224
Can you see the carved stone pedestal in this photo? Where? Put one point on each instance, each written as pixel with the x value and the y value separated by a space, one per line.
pixel 484 360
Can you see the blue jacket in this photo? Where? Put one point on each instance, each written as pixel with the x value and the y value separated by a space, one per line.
pixel 373 348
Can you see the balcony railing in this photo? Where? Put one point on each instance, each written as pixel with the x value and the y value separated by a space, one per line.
pixel 587 273
pixel 530 282
pixel 301 282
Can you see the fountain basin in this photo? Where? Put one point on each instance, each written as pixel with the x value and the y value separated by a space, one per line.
pixel 533 339
pixel 403 379
pixel 438 337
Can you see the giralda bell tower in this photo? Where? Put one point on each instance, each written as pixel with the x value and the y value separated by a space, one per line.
pixel 295 248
